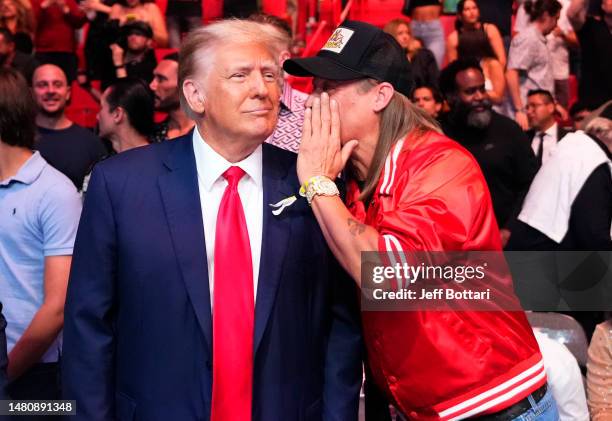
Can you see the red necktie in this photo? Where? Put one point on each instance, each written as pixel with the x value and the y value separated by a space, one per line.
pixel 233 309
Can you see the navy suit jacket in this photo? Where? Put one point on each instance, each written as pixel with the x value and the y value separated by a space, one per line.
pixel 138 325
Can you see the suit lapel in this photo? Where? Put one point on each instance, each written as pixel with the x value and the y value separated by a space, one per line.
pixel 277 185
pixel 561 132
pixel 181 198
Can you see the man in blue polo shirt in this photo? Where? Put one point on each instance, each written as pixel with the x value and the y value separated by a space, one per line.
pixel 39 214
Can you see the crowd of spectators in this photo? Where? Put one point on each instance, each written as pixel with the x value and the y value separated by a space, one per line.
pixel 502 92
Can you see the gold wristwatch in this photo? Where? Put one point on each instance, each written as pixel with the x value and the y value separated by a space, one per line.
pixel 319 186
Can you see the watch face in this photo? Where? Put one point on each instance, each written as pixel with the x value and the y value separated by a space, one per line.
pixel 321 186
pixel 319 183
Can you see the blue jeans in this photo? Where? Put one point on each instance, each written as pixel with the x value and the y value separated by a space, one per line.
pixel 544 410
pixel 432 35
pixel 178 25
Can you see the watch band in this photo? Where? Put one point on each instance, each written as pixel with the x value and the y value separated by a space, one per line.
pixel 319 185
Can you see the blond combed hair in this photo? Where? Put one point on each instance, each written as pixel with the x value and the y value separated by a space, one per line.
pixel 198 49
pixel 399 118
pixel 276 31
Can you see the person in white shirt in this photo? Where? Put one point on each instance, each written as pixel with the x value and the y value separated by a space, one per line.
pixel 545 131
pixel 564 378
pixel 559 42
pixel 529 63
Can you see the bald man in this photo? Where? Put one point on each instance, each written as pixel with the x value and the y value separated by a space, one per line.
pixel 70 148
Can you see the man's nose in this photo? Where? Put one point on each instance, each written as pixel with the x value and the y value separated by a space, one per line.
pixel 479 95
pixel 258 85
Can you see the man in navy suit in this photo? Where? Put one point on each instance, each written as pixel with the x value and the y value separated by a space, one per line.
pixel 188 299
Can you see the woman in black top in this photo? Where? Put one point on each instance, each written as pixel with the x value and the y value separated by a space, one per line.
pixel 468 19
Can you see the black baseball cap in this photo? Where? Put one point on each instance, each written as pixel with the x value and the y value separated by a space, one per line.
pixel 137 27
pixel 358 50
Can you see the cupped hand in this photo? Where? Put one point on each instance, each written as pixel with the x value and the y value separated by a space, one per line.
pixel 321 151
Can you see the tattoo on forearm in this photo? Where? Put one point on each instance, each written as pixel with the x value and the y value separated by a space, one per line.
pixel 355 227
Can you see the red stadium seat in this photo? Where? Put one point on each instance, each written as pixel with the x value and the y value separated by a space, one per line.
pixel 160 53
pixel 83 109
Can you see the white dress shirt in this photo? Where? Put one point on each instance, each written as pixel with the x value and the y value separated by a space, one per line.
pixel 211 184
pixel 564 379
pixel 550 142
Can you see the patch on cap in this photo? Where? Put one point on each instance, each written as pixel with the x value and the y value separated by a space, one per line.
pixel 338 40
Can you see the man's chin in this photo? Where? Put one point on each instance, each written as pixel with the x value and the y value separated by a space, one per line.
pixel 52 112
pixel 479 119
pixel 263 131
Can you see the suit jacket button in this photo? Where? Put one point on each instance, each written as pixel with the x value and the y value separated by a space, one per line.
pixel 208 365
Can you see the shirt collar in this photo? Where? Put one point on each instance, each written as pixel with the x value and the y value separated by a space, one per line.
pixel 540 35
pixel 29 172
pixel 211 166
pixel 552 131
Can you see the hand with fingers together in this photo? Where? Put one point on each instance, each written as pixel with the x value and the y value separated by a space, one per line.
pixel 321 151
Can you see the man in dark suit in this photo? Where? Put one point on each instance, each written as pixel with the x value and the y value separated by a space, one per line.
pixel 189 299
pixel 545 132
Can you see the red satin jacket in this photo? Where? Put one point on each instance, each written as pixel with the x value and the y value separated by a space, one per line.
pixel 446 365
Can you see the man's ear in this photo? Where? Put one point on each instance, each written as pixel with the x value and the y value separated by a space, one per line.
pixel 284 55
pixel 118 115
pixel 384 93
pixel 69 94
pixel 194 96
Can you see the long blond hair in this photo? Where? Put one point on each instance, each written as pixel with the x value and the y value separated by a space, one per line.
pixel 397 119
pixel 25 17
